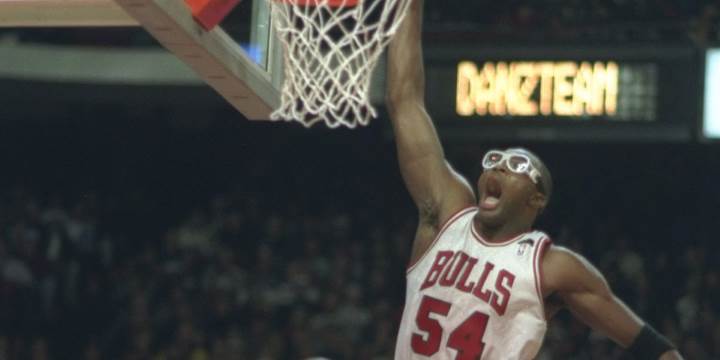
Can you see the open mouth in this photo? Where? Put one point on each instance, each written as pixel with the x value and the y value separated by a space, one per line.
pixel 492 194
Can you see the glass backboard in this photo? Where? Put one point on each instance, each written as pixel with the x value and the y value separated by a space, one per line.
pixel 238 58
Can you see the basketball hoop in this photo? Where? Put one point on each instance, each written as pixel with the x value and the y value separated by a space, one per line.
pixel 331 48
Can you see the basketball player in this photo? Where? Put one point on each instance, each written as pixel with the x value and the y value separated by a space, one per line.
pixel 481 284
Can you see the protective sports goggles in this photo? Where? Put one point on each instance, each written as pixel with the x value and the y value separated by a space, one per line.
pixel 516 162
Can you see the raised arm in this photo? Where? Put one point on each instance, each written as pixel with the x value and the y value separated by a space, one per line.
pixel 580 287
pixel 438 191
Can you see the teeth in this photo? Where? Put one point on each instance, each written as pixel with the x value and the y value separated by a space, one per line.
pixel 491 200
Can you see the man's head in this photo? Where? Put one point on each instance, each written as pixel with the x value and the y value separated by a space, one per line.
pixel 515 185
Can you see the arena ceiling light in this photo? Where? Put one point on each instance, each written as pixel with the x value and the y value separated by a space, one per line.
pixel 711 111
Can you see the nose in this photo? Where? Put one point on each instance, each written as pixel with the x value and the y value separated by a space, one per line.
pixel 501 168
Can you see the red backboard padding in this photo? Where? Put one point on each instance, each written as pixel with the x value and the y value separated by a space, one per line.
pixel 209 13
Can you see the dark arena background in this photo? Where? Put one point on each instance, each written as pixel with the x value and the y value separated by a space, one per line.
pixel 151 220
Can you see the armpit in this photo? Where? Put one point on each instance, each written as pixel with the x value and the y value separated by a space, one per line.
pixel 429 214
pixel 553 304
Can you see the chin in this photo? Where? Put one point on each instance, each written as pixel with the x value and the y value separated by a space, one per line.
pixel 491 218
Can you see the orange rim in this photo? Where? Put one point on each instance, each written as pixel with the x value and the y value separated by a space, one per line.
pixel 331 3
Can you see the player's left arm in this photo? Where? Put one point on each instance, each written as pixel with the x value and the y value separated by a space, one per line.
pixel 581 288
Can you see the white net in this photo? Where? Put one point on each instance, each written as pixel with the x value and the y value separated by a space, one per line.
pixel 331 48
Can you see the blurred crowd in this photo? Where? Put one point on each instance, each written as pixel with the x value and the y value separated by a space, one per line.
pixel 617 21
pixel 285 265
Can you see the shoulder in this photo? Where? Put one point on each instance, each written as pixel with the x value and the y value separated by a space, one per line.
pixel 560 256
pixel 566 270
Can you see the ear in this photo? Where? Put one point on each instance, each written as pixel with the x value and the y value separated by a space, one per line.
pixel 538 201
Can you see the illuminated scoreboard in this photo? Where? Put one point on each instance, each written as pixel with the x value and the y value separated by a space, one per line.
pixel 566 89
pixel 546 88
pixel 540 93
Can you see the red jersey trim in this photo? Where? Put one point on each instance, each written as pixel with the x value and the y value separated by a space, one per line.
pixel 537 268
pixel 447 224
pixel 501 243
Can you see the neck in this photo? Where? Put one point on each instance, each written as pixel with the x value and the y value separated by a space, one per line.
pixel 501 232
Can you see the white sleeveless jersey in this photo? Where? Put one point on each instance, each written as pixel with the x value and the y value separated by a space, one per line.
pixel 470 299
